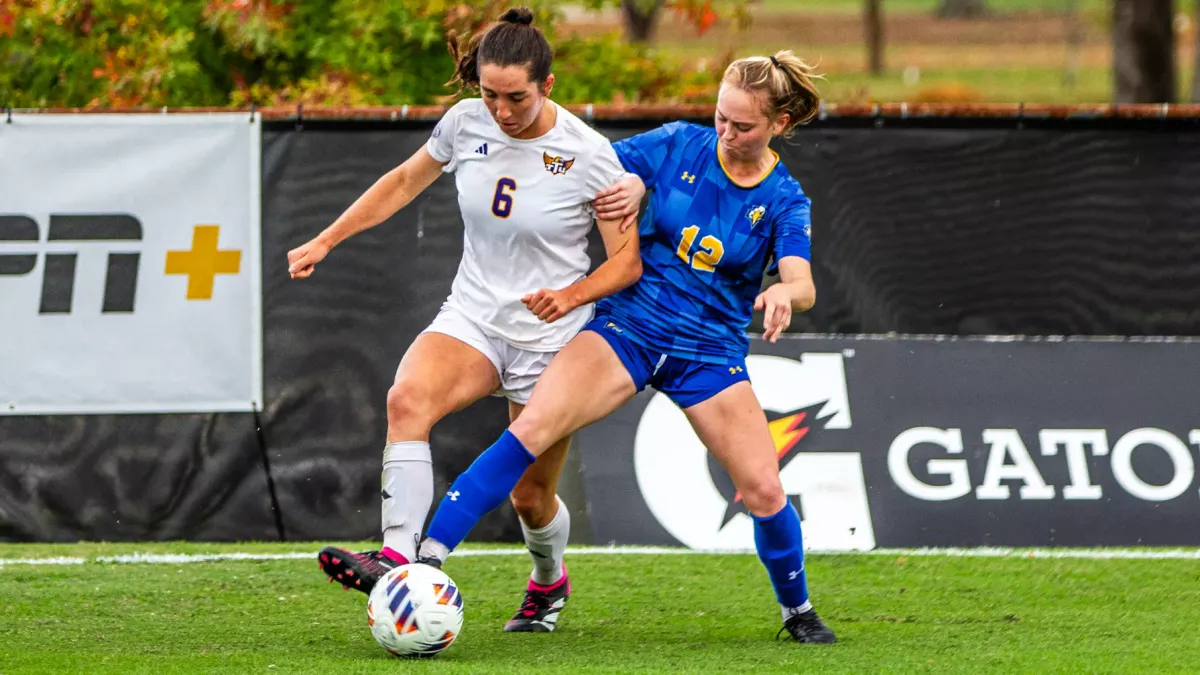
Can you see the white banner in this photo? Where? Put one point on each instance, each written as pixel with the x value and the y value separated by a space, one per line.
pixel 129 264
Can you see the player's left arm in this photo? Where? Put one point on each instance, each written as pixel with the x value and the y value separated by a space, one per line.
pixel 624 264
pixel 622 268
pixel 795 291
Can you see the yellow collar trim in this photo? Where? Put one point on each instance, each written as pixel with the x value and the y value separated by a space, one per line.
pixel 755 183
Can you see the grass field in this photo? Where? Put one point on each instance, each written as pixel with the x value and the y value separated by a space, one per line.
pixel 629 613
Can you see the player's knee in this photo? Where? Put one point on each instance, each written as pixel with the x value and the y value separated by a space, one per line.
pixel 534 432
pixel 764 495
pixel 409 408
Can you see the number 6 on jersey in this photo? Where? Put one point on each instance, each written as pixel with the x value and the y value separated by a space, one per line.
pixel 502 202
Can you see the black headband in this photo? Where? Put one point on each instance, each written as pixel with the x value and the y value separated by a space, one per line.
pixel 775 61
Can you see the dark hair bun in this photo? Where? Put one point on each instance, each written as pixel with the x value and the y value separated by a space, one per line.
pixel 521 15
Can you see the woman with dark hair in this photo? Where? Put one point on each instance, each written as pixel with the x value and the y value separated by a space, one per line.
pixel 527 171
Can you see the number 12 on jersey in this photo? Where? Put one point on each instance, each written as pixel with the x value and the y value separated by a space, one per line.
pixel 502 201
pixel 710 253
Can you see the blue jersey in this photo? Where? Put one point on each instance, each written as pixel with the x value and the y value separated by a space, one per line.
pixel 706 242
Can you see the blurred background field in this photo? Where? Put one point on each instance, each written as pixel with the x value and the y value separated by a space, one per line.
pixel 131 53
pixel 1019 51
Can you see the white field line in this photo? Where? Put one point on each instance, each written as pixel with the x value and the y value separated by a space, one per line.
pixel 1077 553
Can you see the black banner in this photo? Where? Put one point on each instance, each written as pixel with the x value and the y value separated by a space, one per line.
pixel 928 442
pixel 948 231
pixel 1028 232
pixel 132 477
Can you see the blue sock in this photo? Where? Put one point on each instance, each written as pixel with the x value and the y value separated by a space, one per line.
pixel 482 487
pixel 781 550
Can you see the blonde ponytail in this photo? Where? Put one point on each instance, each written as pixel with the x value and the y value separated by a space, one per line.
pixel 787 82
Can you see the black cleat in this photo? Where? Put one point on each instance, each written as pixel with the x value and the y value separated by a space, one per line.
pixel 428 560
pixel 539 613
pixel 807 628
pixel 359 571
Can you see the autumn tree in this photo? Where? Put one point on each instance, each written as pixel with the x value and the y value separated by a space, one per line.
pixel 132 53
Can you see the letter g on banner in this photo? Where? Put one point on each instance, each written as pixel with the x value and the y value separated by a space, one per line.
pixel 956 469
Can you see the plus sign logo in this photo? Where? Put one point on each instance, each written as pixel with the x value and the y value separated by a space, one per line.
pixel 203 262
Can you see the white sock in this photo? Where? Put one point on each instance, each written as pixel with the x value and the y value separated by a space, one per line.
pixel 792 611
pixel 548 545
pixel 407 494
pixel 432 548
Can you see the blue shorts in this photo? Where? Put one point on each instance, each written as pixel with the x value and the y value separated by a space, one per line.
pixel 685 381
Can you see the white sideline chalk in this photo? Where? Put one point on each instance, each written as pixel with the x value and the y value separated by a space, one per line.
pixel 42 561
pixel 1076 553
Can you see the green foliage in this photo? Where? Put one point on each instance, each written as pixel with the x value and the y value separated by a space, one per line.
pixel 606 68
pixel 117 52
pixel 133 53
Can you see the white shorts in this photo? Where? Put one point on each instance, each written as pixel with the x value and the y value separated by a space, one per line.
pixel 519 369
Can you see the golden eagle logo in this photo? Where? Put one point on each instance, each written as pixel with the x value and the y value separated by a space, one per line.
pixel 756 214
pixel 557 165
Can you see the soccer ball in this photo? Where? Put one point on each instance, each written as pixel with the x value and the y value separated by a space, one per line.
pixel 415 610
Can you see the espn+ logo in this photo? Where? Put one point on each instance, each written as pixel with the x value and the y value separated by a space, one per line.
pixel 58 278
pixel 120 235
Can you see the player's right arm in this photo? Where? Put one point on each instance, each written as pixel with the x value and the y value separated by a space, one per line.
pixel 621 270
pixel 395 190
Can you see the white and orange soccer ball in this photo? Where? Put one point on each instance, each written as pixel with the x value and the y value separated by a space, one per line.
pixel 415 610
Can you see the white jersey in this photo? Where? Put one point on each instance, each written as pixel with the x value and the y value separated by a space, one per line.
pixel 526 207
